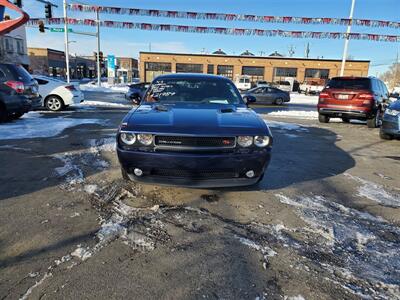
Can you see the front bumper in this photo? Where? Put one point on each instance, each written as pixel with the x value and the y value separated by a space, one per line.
pixel 195 169
pixel 391 125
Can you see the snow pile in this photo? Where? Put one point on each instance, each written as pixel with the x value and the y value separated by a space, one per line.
pixel 35 125
pixel 361 258
pixel 375 192
pixel 30 290
pixel 104 88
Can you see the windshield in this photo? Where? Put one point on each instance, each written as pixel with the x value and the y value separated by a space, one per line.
pixel 350 83
pixel 198 91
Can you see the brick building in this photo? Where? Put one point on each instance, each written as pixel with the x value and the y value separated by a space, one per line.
pixel 269 68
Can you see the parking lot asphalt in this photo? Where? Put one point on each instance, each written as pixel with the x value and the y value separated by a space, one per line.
pixel 323 223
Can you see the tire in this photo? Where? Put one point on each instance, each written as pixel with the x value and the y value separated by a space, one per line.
pixel 323 118
pixel 279 101
pixel 3 114
pixel 54 103
pixel 125 174
pixel 385 136
pixel 16 116
pixel 346 119
pixel 375 122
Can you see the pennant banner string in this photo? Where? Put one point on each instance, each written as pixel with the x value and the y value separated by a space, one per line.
pixel 221 30
pixel 230 17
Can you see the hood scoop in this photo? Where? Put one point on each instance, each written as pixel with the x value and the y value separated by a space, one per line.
pixel 160 107
pixel 228 110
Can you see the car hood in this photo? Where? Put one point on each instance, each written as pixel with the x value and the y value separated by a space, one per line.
pixel 395 105
pixel 196 119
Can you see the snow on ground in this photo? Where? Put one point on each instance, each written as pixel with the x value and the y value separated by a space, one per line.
pixel 296 98
pixel 35 125
pixel 296 114
pixel 375 192
pixel 104 104
pixel 105 88
pixel 349 244
pixel 286 126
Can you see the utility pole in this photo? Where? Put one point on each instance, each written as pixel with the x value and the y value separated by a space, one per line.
pixel 98 48
pixel 307 52
pixel 346 42
pixel 66 39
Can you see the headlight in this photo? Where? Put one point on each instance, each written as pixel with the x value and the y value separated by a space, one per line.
pixel 245 141
pixel 392 112
pixel 128 138
pixel 261 141
pixel 145 139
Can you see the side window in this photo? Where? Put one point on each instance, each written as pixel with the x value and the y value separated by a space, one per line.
pixel 41 81
pixel 2 76
pixel 257 91
pixel 385 90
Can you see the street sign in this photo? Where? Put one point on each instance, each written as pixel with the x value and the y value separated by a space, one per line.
pixel 111 66
pixel 59 30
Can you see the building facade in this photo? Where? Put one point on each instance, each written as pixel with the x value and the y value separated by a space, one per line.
pixel 127 69
pixel 13 47
pixel 270 68
pixel 52 63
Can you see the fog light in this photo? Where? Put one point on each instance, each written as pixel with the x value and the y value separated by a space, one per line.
pixel 250 174
pixel 138 172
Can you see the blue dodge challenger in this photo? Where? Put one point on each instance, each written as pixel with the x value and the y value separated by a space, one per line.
pixel 193 130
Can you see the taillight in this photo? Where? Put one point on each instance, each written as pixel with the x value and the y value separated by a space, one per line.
pixel 17 86
pixel 366 96
pixel 323 96
pixel 70 88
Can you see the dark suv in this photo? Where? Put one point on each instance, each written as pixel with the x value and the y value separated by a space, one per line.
pixel 18 92
pixel 361 98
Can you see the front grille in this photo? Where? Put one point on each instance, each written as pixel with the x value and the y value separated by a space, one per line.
pixel 194 142
pixel 195 174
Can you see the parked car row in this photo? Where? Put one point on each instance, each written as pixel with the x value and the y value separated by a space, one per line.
pixel 360 98
pixel 20 92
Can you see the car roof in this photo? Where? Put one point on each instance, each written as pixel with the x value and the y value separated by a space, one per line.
pixel 191 76
pixel 350 77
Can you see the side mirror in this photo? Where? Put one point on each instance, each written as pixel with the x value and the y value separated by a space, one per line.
pixel 136 98
pixel 394 95
pixel 249 99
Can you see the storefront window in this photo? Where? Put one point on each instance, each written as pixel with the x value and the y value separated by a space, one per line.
pixel 255 73
pixel 226 71
pixel 317 73
pixel 189 68
pixel 154 69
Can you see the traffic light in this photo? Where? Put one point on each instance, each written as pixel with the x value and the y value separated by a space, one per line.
pixel 18 3
pixel 95 56
pixel 47 10
pixel 41 27
pixel 101 56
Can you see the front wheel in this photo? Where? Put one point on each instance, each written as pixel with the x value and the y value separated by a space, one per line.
pixel 385 136
pixel 16 116
pixel 323 118
pixel 54 103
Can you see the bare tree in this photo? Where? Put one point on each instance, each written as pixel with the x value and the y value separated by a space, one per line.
pixel 392 76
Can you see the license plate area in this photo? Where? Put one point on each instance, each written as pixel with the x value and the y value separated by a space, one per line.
pixel 343 97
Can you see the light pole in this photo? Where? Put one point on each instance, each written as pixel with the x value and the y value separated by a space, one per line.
pixel 98 48
pixel 65 5
pixel 346 42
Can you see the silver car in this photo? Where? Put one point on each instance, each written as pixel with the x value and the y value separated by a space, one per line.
pixel 266 95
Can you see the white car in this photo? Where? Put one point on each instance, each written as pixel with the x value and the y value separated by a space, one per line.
pixel 57 94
